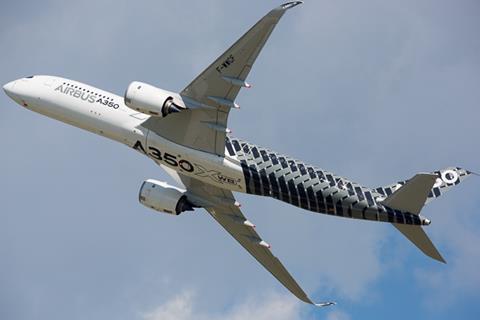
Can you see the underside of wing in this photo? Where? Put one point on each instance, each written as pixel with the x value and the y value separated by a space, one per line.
pixel 225 210
pixel 214 91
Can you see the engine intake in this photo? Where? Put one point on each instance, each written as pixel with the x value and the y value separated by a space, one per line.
pixel 152 100
pixel 161 196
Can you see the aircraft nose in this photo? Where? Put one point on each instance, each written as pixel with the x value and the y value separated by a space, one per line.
pixel 8 88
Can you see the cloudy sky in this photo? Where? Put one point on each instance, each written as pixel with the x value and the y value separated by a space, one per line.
pixel 372 90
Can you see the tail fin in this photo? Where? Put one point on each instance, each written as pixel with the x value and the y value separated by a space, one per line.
pixel 446 179
pixel 411 195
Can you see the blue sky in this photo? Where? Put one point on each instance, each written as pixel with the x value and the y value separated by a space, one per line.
pixel 373 90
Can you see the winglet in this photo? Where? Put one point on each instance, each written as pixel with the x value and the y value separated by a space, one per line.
pixel 325 304
pixel 290 4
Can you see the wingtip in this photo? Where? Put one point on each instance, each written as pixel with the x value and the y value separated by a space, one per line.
pixel 291 4
pixel 325 304
pixel 442 260
pixel 436 255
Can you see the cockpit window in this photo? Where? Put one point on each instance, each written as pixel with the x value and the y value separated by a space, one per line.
pixel 29 77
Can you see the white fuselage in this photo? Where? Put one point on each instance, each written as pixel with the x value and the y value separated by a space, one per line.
pixel 106 114
pixel 243 167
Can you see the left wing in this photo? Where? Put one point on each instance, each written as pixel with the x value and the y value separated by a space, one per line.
pixel 222 207
pixel 214 91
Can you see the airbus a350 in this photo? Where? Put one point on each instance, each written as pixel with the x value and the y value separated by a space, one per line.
pixel 186 134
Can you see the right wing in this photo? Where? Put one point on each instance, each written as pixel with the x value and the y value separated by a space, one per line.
pixel 215 89
pixel 222 206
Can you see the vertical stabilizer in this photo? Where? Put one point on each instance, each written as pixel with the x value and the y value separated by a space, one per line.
pixel 446 179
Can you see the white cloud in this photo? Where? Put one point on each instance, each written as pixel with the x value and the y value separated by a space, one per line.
pixel 445 285
pixel 338 315
pixel 179 307
pixel 271 306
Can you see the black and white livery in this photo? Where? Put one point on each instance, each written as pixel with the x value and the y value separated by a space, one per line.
pixel 186 133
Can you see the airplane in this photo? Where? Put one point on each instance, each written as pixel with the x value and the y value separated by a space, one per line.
pixel 186 134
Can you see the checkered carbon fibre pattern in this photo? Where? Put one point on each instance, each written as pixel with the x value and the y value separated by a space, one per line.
pixel 447 178
pixel 268 173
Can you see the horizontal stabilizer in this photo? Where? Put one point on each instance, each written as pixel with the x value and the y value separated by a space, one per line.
pixel 418 237
pixel 412 195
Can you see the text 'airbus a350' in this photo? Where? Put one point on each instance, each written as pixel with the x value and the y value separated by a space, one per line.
pixel 186 134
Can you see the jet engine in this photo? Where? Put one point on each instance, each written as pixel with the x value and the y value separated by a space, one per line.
pixel 152 100
pixel 161 196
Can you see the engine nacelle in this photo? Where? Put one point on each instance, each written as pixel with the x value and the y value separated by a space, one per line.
pixel 152 100
pixel 161 196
